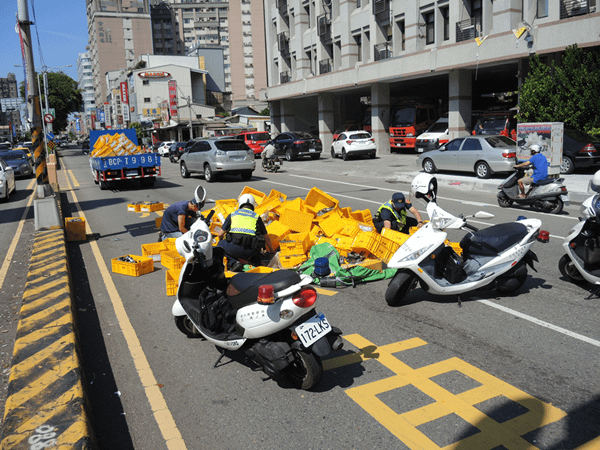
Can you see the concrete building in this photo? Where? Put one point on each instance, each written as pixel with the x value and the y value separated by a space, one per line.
pixel 119 31
pixel 165 32
pixel 323 58
pixel 11 106
pixel 85 82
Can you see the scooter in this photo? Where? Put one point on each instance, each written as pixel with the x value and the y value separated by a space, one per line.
pixel 496 257
pixel 548 195
pixel 581 262
pixel 271 164
pixel 270 317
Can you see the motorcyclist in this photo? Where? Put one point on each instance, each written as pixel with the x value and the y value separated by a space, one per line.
pixel 393 214
pixel 175 218
pixel 245 233
pixel 268 155
pixel 540 169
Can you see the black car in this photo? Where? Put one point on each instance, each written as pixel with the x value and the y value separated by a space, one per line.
pixel 580 150
pixel 17 159
pixel 176 150
pixel 294 144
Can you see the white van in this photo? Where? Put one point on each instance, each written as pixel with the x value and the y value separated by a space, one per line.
pixel 435 136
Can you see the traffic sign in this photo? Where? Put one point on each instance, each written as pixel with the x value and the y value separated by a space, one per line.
pixel 48 118
pixel 49 136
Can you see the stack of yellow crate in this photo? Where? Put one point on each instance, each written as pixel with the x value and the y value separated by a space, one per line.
pixel 114 145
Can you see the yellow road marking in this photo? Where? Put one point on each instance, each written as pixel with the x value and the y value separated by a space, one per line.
pixel 15 241
pixel 73 179
pixel 162 414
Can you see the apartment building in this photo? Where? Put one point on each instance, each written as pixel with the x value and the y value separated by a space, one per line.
pixel 85 83
pixel 324 58
pixel 11 106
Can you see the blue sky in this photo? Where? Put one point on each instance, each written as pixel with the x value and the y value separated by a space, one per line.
pixel 62 29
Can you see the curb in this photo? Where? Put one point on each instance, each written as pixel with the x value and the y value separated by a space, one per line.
pixel 45 404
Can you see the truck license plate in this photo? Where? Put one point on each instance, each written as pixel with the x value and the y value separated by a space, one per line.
pixel 313 329
pixel 131 173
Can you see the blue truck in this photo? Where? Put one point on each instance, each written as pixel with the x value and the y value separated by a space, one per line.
pixel 111 169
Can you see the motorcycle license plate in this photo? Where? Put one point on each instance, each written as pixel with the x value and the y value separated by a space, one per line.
pixel 565 198
pixel 313 329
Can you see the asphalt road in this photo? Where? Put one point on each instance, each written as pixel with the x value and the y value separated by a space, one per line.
pixel 516 371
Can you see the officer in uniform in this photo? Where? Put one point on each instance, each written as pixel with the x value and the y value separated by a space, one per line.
pixel 394 215
pixel 245 233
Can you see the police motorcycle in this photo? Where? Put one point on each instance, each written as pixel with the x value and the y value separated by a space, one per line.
pixel 496 257
pixel 270 317
pixel 270 162
pixel 581 261
pixel 547 195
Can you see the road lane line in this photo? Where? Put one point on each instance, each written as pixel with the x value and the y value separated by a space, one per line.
pixel 15 241
pixel 158 405
pixel 542 323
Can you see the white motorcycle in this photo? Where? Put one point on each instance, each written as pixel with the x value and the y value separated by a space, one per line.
pixel 496 257
pixel 582 246
pixel 271 317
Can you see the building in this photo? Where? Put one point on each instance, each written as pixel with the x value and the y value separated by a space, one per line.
pixel 165 32
pixel 85 83
pixel 327 60
pixel 11 106
pixel 119 31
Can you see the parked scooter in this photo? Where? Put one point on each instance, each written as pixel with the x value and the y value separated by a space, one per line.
pixel 270 162
pixel 496 257
pixel 582 246
pixel 270 317
pixel 547 195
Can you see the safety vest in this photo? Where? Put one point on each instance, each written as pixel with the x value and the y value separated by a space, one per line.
pixel 400 218
pixel 243 221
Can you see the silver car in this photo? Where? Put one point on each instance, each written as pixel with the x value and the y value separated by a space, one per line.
pixel 7 180
pixel 483 155
pixel 213 157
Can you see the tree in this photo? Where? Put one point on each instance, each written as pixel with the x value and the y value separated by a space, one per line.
pixel 138 131
pixel 63 96
pixel 567 92
pixel 265 112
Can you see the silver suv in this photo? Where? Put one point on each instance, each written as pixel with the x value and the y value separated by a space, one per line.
pixel 217 156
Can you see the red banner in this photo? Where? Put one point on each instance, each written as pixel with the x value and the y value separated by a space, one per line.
pixel 173 98
pixel 124 93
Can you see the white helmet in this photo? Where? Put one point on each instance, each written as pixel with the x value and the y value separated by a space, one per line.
pixel 595 182
pixel 199 197
pixel 424 186
pixel 247 199
pixel 535 148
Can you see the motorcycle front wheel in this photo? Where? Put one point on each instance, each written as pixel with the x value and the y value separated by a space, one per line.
pixel 569 271
pixel 306 370
pixel 399 287
pixel 185 325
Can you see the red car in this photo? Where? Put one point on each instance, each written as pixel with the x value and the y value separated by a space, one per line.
pixel 256 140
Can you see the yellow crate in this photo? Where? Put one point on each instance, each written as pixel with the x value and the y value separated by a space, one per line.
pixel 154 250
pixel 343 243
pixel 396 236
pixel 277 231
pixel 282 197
pixel 151 206
pixel 296 205
pixel 172 281
pixel 289 261
pixel 142 265
pixel 296 220
pixel 75 228
pixel 332 224
pixel 295 241
pixel 261 269
pixel 456 246
pixel 258 196
pixel 346 212
pixel 268 204
pixel 134 207
pixel 170 243
pixel 363 216
pixel 172 260
pixel 315 233
pixel 318 200
pixel 385 249
pixel 158 222
pixel 366 242
pixel 369 263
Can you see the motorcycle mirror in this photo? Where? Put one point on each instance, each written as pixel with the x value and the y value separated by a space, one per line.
pixel 483 215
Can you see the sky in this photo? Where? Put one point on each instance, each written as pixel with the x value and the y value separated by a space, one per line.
pixel 61 26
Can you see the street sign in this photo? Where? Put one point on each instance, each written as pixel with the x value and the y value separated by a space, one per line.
pixel 49 136
pixel 48 118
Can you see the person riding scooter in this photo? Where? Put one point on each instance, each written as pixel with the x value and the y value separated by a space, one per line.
pixel 268 158
pixel 540 169
pixel 245 233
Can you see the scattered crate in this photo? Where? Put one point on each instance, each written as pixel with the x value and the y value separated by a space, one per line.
pixel 134 207
pixel 140 266
pixel 151 206
pixel 75 228
pixel 172 260
pixel 154 250
pixel 172 281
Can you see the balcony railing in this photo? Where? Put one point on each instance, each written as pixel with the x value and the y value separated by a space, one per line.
pixel 383 51
pixel 572 8
pixel 324 66
pixel 284 77
pixel 465 30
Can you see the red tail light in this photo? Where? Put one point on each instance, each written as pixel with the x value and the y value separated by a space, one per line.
pixel 305 298
pixel 299 142
pixel 588 149
pixel 349 142
pixel 509 155
pixel 372 140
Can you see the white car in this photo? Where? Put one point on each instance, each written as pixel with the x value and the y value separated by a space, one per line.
pixel 7 180
pixel 353 143
pixel 164 148
pixel 435 136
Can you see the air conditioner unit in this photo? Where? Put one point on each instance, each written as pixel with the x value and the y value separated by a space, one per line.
pixel 323 25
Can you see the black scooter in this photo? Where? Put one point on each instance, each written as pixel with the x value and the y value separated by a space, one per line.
pixel 546 195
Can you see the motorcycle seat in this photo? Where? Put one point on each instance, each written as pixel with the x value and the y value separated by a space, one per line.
pixel 493 240
pixel 243 287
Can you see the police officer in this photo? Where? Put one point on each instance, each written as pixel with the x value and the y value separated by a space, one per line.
pixel 394 215
pixel 244 231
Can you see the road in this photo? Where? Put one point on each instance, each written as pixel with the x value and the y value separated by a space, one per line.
pixel 516 371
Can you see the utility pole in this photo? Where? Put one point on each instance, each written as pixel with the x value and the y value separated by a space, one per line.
pixel 33 101
pixel 189 105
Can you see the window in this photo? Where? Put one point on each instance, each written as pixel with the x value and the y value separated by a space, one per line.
pixel 455 144
pixel 146 99
pixel 402 34
pixel 358 41
pixel 429 28
pixel 146 82
pixel 472 144
pixel 445 13
pixel 542 8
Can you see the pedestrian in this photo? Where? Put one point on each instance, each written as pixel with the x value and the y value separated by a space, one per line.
pixel 394 215
pixel 178 217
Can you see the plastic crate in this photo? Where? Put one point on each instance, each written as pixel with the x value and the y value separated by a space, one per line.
pixel 343 243
pixel 142 265
pixel 172 281
pixel 172 260
pixel 261 269
pixel 289 261
pixel 363 216
pixel 151 206
pixel 456 246
pixel 396 236
pixel 158 222
pixel 282 197
pixel 319 200
pixel 75 228
pixel 170 243
pixel 296 220
pixel 332 224
pixel 366 242
pixel 258 196
pixel 369 263
pixel 295 243
pixel 154 250
pixel 277 231
pixel 134 207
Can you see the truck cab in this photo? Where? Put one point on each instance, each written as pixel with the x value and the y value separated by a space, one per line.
pixel 408 121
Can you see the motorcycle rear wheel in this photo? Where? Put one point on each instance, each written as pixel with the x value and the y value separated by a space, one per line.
pixel 557 208
pixel 508 288
pixel 306 370
pixel 569 271
pixel 504 201
pixel 399 287
pixel 185 325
